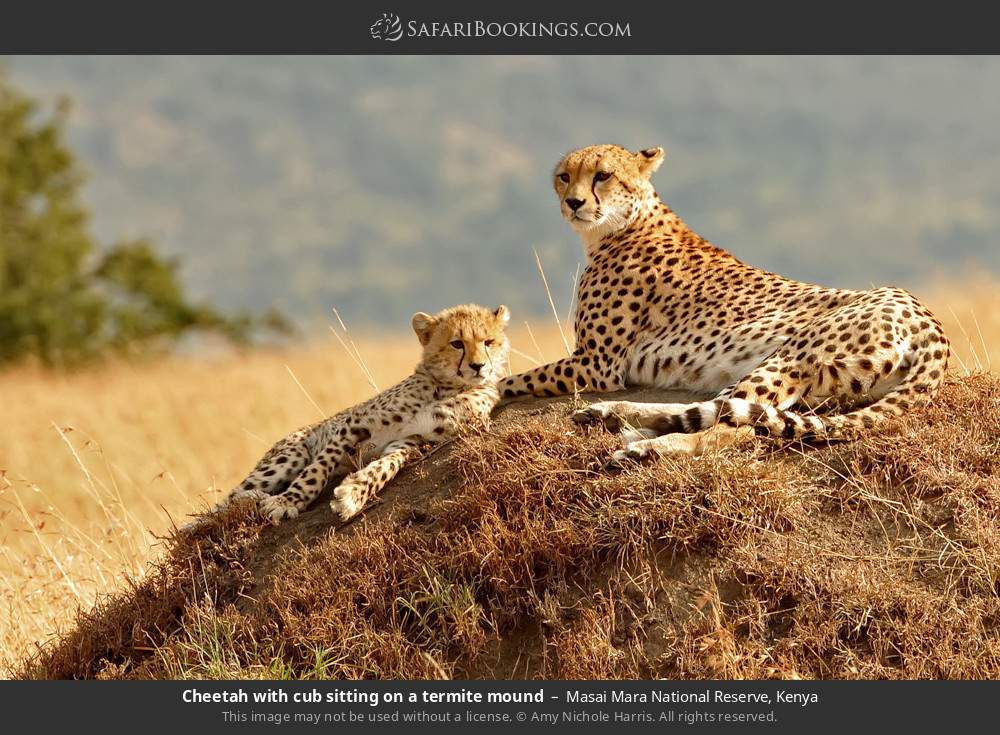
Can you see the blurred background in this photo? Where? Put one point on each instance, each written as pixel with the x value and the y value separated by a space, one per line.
pixel 382 185
pixel 145 200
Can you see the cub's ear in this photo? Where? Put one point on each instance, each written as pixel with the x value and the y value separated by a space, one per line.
pixel 502 314
pixel 649 160
pixel 423 324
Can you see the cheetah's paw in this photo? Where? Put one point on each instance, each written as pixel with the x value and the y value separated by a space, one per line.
pixel 277 509
pixel 638 449
pixel 347 499
pixel 602 412
pixel 644 445
pixel 239 496
pixel 630 456
pixel 236 496
pixel 193 525
pixel 630 436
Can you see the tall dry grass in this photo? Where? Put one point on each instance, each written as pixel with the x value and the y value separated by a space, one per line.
pixel 95 465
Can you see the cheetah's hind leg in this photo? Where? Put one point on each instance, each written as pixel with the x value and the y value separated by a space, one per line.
pixel 650 430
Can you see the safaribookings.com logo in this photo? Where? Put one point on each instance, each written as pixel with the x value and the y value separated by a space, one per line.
pixel 390 28
pixel 387 28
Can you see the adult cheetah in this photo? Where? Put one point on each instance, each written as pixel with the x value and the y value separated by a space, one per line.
pixel 659 306
pixel 465 354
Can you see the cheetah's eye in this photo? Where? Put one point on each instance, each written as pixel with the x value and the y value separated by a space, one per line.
pixel 564 178
pixel 602 176
pixel 457 344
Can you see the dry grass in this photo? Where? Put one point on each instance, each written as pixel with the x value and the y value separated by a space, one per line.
pixel 875 559
pixel 970 314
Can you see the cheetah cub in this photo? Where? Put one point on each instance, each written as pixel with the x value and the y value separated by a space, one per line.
pixel 465 354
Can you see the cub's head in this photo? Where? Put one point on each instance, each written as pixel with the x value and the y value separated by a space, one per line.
pixel 464 345
pixel 601 187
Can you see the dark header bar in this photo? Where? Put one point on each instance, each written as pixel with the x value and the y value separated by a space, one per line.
pixel 398 27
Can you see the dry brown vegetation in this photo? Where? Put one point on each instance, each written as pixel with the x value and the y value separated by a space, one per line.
pixel 505 554
pixel 512 554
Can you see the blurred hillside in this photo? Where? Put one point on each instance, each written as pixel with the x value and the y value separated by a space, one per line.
pixel 382 185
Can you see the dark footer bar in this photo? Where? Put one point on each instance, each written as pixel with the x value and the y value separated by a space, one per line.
pixel 650 706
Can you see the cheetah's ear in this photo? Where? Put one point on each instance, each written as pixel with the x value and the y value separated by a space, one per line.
pixel 649 160
pixel 423 324
pixel 503 315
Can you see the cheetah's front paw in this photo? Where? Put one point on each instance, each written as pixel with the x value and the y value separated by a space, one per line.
pixel 277 508
pixel 602 412
pixel 347 499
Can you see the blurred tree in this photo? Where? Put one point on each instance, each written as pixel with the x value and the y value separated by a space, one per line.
pixel 62 297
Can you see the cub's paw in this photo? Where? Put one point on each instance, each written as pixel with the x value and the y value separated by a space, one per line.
pixel 193 525
pixel 277 508
pixel 239 496
pixel 602 412
pixel 348 498
pixel 235 497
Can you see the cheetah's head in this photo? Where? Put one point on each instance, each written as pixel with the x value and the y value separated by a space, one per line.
pixel 464 345
pixel 601 187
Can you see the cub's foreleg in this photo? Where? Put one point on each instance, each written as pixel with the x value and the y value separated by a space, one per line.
pixel 431 426
pixel 314 477
pixel 359 487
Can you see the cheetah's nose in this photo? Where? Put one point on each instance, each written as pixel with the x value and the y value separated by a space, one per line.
pixel 574 204
pixel 476 367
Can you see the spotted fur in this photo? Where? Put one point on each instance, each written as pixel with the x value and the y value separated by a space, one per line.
pixel 465 353
pixel 659 306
